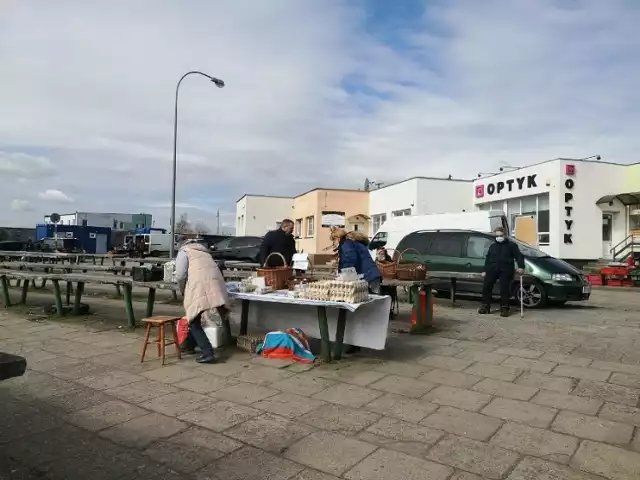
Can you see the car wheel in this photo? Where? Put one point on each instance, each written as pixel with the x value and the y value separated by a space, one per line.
pixel 533 295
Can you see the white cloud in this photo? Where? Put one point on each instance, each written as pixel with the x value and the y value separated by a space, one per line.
pixel 54 196
pixel 484 83
pixel 20 205
pixel 21 165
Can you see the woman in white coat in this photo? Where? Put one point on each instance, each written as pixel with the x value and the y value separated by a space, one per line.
pixel 203 287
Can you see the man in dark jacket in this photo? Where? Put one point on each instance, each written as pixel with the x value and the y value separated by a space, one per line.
pixel 278 241
pixel 499 265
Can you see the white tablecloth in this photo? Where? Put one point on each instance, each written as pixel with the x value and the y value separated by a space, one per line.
pixel 367 322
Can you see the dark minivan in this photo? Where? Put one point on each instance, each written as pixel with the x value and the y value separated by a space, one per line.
pixel 547 279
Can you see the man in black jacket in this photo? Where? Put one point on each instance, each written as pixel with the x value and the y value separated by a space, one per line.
pixel 499 265
pixel 278 241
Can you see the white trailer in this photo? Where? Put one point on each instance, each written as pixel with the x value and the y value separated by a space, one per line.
pixel 394 230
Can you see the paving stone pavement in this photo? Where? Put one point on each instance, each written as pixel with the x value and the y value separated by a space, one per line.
pixel 554 396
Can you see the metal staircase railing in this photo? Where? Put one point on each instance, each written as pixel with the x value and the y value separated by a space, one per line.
pixel 629 246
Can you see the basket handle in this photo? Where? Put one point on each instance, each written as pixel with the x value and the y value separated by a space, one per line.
pixel 284 260
pixel 405 251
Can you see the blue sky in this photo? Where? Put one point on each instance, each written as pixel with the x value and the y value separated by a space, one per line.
pixel 319 93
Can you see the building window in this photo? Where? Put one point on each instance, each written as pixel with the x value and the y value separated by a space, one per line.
pixel 115 224
pixel 543 219
pixel 84 222
pixel 311 226
pixel 299 227
pixel 378 220
pixel 121 224
pixel 401 213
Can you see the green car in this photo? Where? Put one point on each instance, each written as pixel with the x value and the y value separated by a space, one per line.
pixel 547 280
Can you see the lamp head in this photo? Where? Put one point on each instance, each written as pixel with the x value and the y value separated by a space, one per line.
pixel 219 83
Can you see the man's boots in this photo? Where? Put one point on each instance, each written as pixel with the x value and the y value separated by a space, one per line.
pixel 504 311
pixel 484 309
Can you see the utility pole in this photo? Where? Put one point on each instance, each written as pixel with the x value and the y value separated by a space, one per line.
pixel 218 220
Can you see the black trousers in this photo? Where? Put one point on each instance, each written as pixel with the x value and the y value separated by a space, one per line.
pixel 198 337
pixel 505 277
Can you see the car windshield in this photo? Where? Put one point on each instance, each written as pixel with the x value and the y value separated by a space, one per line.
pixel 529 250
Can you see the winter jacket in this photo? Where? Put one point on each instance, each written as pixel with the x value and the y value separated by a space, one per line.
pixel 352 253
pixel 205 288
pixel 503 255
pixel 277 241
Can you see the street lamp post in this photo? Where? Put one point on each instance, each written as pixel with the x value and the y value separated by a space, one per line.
pixel 219 83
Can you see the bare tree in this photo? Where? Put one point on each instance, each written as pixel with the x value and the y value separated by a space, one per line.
pixel 183 225
pixel 201 228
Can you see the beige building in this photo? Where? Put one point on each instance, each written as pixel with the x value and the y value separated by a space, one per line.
pixel 257 214
pixel 315 211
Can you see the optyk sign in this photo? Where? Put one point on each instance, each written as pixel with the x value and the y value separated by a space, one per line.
pixel 510 185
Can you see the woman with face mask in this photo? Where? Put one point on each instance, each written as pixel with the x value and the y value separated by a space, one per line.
pixel 499 265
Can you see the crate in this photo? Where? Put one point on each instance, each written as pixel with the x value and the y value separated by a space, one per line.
pixel 144 274
pixel 612 282
pixel 249 343
pixel 594 278
pixel 628 283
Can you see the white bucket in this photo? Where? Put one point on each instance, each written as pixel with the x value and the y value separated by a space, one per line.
pixel 213 329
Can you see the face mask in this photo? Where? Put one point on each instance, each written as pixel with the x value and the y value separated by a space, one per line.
pixel 499 239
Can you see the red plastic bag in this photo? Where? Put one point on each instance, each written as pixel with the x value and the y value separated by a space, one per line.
pixel 183 329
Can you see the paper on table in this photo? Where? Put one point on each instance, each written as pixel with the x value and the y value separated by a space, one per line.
pixel 301 261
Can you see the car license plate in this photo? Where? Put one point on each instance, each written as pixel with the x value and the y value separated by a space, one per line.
pixel 586 289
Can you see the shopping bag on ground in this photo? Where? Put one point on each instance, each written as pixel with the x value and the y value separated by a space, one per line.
pixel 183 330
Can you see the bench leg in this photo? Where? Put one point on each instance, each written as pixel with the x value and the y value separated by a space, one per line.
pixel 25 290
pixel 244 317
pixel 147 333
pixel 118 291
pixel 151 299
pixel 174 296
pixel 5 292
pixel 323 326
pixel 340 328
pixel 57 295
pixel 78 298
pixel 128 305
pixel 454 288
pixel 429 302
pixel 69 288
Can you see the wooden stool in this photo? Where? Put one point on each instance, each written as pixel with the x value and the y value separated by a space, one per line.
pixel 160 321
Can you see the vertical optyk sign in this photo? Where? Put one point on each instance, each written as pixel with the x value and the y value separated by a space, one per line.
pixel 569 184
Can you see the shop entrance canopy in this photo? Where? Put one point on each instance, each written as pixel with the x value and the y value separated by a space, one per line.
pixel 624 198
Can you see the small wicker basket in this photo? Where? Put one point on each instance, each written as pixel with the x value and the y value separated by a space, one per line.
pixel 249 343
pixel 410 271
pixel 387 269
pixel 276 277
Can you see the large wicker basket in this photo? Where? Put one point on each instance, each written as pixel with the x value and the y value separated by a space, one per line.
pixel 249 343
pixel 410 271
pixel 276 277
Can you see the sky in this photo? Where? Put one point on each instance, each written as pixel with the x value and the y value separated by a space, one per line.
pixel 319 93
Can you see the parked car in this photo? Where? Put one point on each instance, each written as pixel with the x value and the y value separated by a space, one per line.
pixel 547 279
pixel 242 249
pixel 13 246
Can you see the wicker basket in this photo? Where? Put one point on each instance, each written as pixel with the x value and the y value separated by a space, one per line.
pixel 387 269
pixel 249 343
pixel 410 271
pixel 276 277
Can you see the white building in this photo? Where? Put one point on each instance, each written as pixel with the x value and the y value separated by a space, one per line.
pixel 115 221
pixel 257 214
pixel 584 209
pixel 418 196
